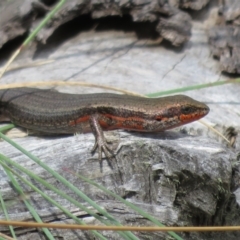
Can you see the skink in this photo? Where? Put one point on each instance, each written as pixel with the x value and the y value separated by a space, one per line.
pixel 53 112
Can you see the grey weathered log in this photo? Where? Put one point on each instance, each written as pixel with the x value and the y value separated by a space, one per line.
pixel 224 38
pixel 169 175
pixel 182 179
pixel 17 17
pixel 193 4
pixel 224 42
pixel 230 10
pixel 169 22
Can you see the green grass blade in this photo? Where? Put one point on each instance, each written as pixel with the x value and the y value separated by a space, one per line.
pixel 195 87
pixel 135 208
pixel 128 235
pixel 43 23
pixel 9 161
pixel 27 203
pixel 6 215
pixel 141 212
pixel 7 127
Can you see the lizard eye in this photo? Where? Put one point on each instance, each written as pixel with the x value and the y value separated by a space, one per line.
pixel 186 109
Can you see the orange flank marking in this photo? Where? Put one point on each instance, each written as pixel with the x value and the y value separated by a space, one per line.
pixel 104 124
pixel 190 117
pixel 79 120
pixel 130 123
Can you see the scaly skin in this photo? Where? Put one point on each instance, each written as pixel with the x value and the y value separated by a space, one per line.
pixel 51 112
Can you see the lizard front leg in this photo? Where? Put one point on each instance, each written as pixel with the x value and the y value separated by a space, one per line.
pixel 100 141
